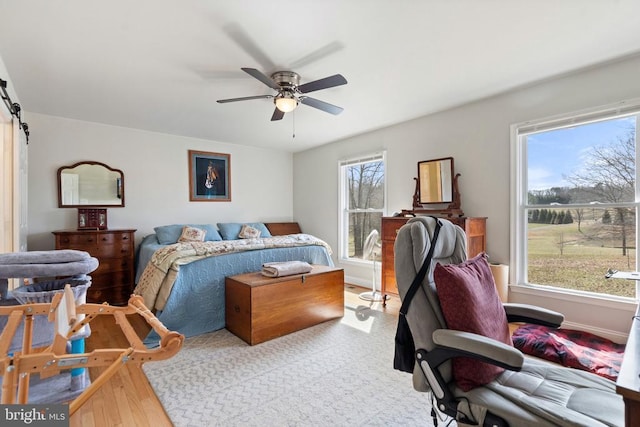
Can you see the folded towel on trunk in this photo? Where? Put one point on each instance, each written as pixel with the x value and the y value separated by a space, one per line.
pixel 286 268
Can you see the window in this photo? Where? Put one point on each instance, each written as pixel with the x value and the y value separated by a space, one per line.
pixel 362 203
pixel 577 201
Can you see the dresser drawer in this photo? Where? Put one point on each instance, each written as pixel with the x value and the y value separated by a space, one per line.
pixel 110 279
pixel 81 242
pixel 115 238
pixel 391 226
pixel 113 264
pixel 117 250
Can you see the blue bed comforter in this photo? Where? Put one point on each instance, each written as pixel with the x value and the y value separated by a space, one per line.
pixel 196 304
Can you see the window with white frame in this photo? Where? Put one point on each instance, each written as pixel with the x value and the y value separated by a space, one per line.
pixel 362 203
pixel 576 201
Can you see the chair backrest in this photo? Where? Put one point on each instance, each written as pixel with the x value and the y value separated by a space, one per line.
pixel 425 315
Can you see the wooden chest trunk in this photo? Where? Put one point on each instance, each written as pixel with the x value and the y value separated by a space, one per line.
pixel 259 308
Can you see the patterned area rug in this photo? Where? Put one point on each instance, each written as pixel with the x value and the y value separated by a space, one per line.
pixel 334 374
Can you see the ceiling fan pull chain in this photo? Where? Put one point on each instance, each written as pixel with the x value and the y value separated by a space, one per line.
pixel 293 121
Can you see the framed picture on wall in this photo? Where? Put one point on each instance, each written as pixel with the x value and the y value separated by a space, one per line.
pixel 209 177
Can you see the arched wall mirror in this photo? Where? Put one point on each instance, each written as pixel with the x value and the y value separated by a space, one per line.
pixel 90 184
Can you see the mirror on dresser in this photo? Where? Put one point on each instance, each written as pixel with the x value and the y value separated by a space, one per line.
pixel 436 194
pixel 435 178
pixel 436 190
pixel 90 184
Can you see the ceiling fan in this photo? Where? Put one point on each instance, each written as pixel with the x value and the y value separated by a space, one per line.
pixel 290 92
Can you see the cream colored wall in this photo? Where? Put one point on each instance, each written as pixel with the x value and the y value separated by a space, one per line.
pixel 155 168
pixel 477 135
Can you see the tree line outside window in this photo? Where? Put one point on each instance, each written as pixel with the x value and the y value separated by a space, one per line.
pixel 584 221
pixel 362 203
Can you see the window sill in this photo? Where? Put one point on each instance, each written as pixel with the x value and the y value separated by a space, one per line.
pixel 358 262
pixel 620 303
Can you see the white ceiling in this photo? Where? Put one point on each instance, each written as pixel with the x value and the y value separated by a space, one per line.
pixel 160 65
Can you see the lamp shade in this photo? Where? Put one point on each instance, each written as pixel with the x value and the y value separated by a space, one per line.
pixel 286 102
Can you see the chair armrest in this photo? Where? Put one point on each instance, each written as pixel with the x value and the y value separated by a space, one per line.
pixel 450 344
pixel 478 347
pixel 533 314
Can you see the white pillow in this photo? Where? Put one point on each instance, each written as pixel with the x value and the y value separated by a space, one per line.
pixel 192 234
pixel 248 232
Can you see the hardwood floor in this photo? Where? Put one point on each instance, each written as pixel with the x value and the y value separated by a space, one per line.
pixel 128 399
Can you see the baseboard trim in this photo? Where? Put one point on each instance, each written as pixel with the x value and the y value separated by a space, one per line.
pixel 358 281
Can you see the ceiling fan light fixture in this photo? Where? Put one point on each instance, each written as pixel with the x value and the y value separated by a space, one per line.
pixel 286 102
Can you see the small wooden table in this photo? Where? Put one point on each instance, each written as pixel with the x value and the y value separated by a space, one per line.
pixel 259 308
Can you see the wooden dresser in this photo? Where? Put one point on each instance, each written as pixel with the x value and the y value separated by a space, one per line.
pixel 113 280
pixel 474 228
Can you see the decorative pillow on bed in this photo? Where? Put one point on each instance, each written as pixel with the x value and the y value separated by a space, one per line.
pixel 192 234
pixel 248 232
pixel 169 234
pixel 231 230
pixel 470 303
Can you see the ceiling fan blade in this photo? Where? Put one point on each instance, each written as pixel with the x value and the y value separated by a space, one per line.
pixel 317 55
pixel 277 115
pixel 327 82
pixel 242 39
pixel 246 98
pixel 264 79
pixel 321 105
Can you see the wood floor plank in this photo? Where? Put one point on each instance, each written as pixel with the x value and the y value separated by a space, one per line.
pixel 127 399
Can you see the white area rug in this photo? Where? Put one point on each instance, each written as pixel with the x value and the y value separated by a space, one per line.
pixel 338 373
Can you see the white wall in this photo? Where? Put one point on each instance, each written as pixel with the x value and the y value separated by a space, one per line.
pixel 156 176
pixel 477 136
pixel 4 75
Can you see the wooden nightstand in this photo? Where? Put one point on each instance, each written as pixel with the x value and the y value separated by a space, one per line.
pixel 113 279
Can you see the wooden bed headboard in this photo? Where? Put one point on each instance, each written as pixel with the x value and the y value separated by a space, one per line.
pixel 283 228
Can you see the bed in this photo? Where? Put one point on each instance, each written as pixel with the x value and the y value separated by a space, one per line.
pixel 184 282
